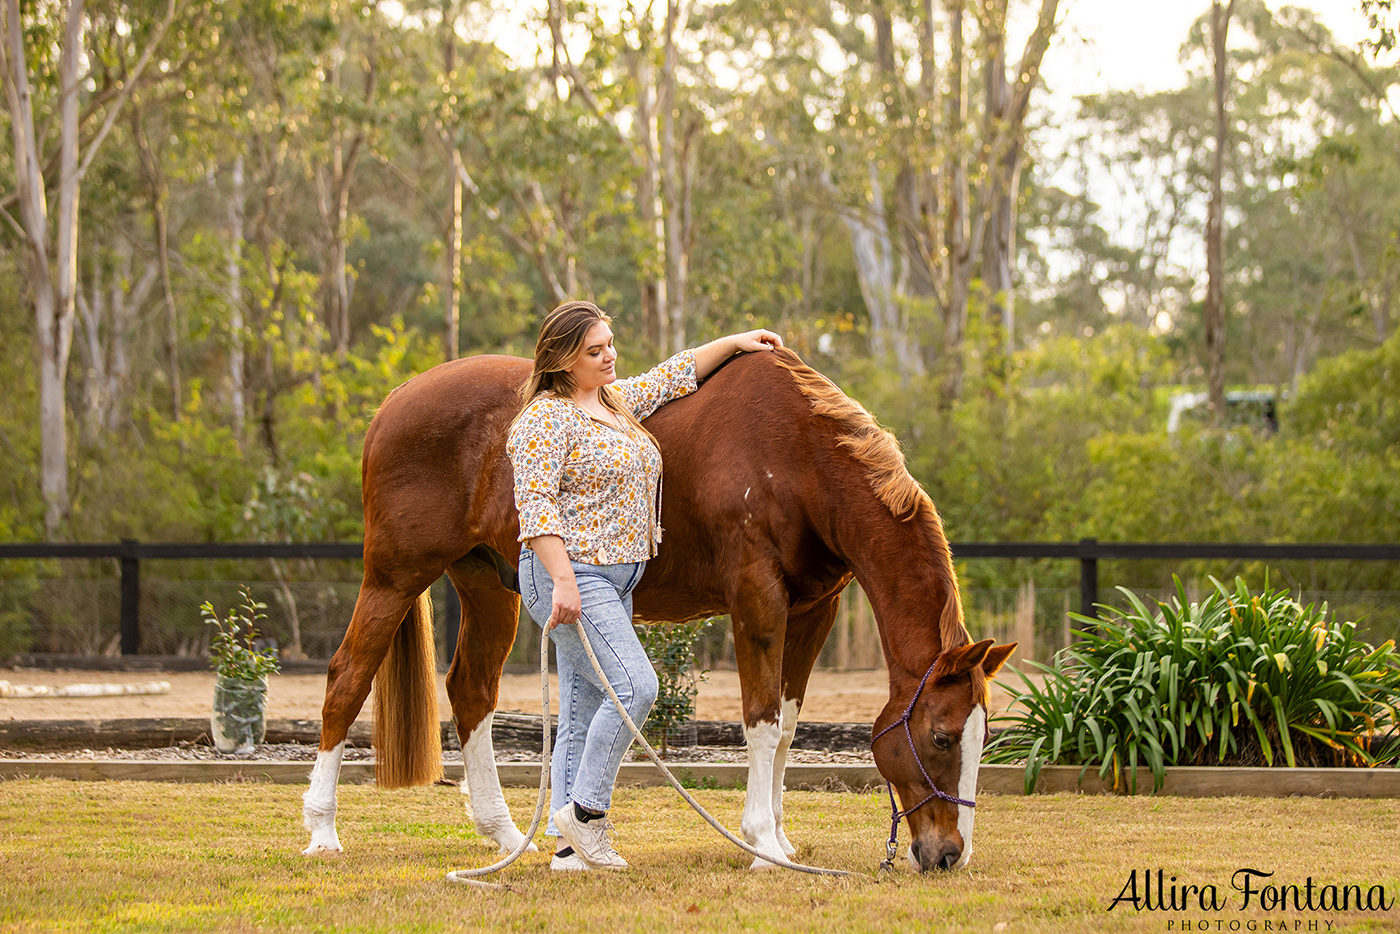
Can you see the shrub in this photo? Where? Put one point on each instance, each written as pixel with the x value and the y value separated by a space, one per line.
pixel 231 649
pixel 671 649
pixel 1237 679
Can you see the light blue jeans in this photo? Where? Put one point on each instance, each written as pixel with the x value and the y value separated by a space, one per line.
pixel 592 737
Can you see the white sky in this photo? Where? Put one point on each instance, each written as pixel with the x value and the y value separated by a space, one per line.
pixel 1105 44
pixel 1137 44
pixel 1101 44
pixel 1121 44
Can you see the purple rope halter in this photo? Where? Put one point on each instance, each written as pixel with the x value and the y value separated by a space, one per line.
pixel 896 815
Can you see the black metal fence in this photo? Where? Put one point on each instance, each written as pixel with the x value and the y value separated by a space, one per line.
pixel 333 601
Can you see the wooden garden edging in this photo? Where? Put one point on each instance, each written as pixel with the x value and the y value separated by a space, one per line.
pixel 1186 781
pixel 508 731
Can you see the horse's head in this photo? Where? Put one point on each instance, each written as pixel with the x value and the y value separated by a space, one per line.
pixel 947 725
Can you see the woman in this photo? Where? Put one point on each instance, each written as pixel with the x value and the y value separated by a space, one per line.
pixel 587 487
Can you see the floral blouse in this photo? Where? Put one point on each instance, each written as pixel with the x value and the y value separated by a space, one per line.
pixel 595 486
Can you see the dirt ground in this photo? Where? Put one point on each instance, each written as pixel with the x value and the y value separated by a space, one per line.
pixel 832 696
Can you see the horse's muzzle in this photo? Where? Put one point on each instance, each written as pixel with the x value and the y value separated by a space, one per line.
pixel 928 857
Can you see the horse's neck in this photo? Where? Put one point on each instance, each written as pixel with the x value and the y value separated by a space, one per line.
pixel 901 567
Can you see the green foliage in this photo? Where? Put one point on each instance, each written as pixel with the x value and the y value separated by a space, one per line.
pixel 231 649
pixel 1061 438
pixel 671 649
pixel 1349 402
pixel 1235 679
pixel 17 587
pixel 16 630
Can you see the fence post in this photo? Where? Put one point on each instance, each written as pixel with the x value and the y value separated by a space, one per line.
pixel 1088 578
pixel 452 620
pixel 131 598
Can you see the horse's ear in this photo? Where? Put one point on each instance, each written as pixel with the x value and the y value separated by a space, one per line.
pixel 997 657
pixel 961 660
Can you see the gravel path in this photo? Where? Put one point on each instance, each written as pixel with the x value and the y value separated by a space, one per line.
pixel 832 696
pixel 305 752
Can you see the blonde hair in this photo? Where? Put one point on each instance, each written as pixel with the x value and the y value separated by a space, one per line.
pixel 560 344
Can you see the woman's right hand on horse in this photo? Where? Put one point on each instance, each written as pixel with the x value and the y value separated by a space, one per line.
pixel 567 604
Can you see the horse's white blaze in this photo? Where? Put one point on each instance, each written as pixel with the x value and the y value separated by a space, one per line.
pixel 487 805
pixel 973 736
pixel 787 724
pixel 318 803
pixel 758 825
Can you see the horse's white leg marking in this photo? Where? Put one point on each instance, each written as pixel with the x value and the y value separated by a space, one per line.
pixel 318 803
pixel 758 826
pixel 487 805
pixel 788 725
pixel 974 734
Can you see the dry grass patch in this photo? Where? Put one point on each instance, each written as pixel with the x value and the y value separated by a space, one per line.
pixel 135 856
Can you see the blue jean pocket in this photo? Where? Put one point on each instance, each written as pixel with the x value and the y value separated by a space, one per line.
pixel 528 589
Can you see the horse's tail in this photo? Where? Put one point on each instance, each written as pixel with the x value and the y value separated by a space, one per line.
pixel 407 737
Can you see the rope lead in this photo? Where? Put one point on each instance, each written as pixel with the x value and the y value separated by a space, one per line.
pixel 469 876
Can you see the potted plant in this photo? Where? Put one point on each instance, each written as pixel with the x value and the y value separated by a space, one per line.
pixel 239 720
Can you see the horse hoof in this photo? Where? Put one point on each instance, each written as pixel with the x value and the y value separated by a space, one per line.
pixel 760 863
pixel 321 849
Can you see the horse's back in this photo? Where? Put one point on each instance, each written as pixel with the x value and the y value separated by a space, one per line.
pixel 448 398
pixel 435 473
pixel 746 479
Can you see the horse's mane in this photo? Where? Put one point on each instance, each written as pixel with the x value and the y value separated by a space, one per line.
pixel 877 449
pixel 873 446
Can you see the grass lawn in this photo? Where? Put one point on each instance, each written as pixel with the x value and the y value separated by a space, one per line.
pixel 137 856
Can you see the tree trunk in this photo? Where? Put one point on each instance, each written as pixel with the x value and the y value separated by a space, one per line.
pixel 52 268
pixel 125 304
pixel 237 393
pixel 676 180
pixel 1215 261
pixel 998 253
pixel 913 182
pixel 333 198
pixel 655 302
pixel 92 313
pixel 294 651
pixel 873 248
pixel 452 298
pixel 956 252
pixel 106 312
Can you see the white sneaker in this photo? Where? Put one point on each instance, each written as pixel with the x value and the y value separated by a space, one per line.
pixel 570 863
pixel 589 840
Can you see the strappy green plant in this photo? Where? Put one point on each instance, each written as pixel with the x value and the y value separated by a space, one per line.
pixel 1235 679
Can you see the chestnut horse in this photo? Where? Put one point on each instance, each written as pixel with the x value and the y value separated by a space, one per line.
pixel 778 490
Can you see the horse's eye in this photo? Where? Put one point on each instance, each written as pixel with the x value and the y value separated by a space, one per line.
pixel 942 740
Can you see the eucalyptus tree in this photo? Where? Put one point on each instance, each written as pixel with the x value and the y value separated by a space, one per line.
pixel 1215 273
pixel 920 128
pixel 68 70
pixel 347 116
pixel 1144 156
pixel 638 77
pixel 1308 183
pixel 1319 202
